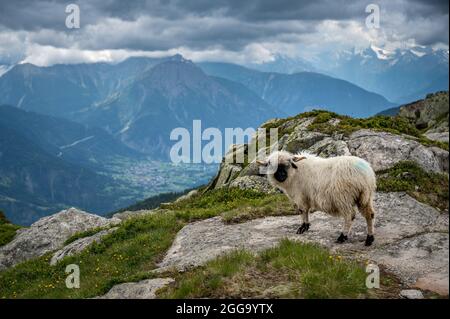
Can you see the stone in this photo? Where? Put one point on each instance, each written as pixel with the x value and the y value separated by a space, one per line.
pixel 79 245
pixel 135 213
pixel 48 234
pixel 329 147
pixel 191 194
pixel 411 294
pixel 440 137
pixel 301 140
pixel 256 183
pixel 145 289
pixel 383 150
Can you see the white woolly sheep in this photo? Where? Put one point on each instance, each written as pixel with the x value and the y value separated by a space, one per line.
pixel 339 186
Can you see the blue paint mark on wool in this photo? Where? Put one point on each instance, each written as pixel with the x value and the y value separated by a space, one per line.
pixel 362 165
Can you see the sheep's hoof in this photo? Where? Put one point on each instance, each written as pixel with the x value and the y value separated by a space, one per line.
pixel 369 240
pixel 304 227
pixel 342 238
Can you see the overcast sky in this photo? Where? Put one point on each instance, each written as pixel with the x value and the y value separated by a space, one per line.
pixel 227 30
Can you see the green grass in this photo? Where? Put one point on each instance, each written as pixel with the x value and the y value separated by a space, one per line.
pixel 215 202
pixel 347 125
pixel 290 270
pixel 83 234
pixel 426 187
pixel 128 254
pixel 271 205
pixel 7 230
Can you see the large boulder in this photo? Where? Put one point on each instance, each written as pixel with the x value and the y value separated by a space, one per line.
pixel 256 183
pixel 383 150
pixel 145 289
pixel 301 140
pixel 437 136
pixel 79 245
pixel 49 234
pixel 329 147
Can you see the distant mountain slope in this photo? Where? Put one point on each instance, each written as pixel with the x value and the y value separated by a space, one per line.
pixel 303 91
pixel 34 183
pixel 139 100
pixel 401 75
pixel 64 90
pixel 76 143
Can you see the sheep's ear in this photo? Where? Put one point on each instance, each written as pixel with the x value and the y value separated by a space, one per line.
pixel 261 163
pixel 298 158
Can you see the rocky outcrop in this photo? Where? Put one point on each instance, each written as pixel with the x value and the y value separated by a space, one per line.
pixel 79 245
pixel 437 136
pixel 258 183
pixel 145 289
pixel 131 214
pixel 411 239
pixel 383 150
pixel 49 234
pixel 428 113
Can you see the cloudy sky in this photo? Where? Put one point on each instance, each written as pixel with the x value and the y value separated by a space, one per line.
pixel 227 30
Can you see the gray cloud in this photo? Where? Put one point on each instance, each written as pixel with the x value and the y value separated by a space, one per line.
pixel 227 25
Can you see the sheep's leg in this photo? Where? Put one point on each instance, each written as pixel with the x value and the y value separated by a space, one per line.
pixel 305 220
pixel 348 219
pixel 369 213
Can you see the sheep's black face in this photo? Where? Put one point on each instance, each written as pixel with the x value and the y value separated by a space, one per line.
pixel 281 174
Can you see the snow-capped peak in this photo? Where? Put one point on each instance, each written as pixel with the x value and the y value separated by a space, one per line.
pixel 382 54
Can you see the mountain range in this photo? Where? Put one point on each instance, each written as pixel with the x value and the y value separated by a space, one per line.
pixel 401 75
pixel 303 91
pixel 139 101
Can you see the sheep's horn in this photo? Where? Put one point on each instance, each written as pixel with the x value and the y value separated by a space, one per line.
pixel 261 163
pixel 298 158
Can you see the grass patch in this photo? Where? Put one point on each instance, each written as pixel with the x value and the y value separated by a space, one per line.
pixel 128 254
pixel 347 125
pixel 271 205
pixel 83 234
pixel 426 187
pixel 215 202
pixel 7 230
pixel 290 270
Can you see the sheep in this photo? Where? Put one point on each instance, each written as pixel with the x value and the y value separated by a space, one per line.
pixel 339 186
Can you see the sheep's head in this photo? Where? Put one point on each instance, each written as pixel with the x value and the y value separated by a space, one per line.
pixel 280 165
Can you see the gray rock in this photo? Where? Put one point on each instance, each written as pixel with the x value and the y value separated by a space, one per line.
pixel 329 147
pixel 145 289
pixel 420 261
pixel 79 245
pixel 187 196
pixel 49 234
pixel 383 150
pixel 227 173
pixel 301 140
pixel 441 137
pixel 411 294
pixel 135 213
pixel 252 169
pixel 400 220
pixel 257 183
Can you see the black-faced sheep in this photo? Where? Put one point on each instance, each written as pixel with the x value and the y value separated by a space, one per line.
pixel 339 186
